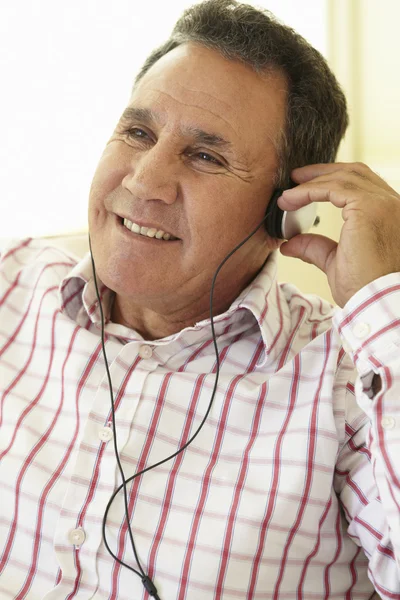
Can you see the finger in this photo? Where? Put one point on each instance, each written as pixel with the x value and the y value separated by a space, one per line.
pixel 358 169
pixel 312 248
pixel 340 192
pixel 327 191
pixel 340 179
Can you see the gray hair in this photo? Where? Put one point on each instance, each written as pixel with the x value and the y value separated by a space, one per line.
pixel 316 112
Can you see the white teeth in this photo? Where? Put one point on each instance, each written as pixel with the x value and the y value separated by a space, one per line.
pixel 148 231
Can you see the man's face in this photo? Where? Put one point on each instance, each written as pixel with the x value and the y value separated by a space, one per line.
pixel 159 171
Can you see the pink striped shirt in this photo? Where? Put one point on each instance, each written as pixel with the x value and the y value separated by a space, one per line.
pixel 290 490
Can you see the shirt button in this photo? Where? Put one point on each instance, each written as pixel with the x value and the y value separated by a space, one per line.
pixel 388 422
pixel 145 352
pixel 361 330
pixel 106 434
pixel 76 536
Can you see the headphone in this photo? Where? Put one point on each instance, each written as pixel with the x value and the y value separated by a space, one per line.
pixel 278 224
pixel 284 224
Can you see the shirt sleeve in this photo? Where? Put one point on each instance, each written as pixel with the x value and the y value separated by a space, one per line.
pixel 367 476
pixel 7 244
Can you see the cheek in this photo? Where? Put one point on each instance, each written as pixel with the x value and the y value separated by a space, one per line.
pixel 108 176
pixel 229 216
pixel 104 181
pixel 225 216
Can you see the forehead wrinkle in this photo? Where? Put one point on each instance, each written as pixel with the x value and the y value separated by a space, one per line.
pixel 197 92
pixel 198 106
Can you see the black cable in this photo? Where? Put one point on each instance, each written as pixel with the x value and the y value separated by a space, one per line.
pixel 142 573
pixel 147 582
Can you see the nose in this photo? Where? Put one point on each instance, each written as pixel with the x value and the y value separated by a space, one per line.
pixel 153 175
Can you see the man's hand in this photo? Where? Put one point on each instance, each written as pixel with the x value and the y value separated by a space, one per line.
pixel 369 244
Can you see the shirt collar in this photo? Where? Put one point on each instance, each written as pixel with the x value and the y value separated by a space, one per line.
pixel 77 292
pixel 263 300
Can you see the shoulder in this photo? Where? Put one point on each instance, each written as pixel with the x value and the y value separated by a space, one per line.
pixel 22 258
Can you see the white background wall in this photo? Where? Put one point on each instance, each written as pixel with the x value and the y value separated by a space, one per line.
pixel 378 87
pixel 66 71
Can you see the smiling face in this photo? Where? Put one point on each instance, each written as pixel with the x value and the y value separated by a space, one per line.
pixel 193 155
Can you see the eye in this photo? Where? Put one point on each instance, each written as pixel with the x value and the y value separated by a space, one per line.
pixel 136 132
pixel 208 158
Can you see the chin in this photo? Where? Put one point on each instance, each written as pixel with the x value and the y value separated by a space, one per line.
pixel 141 288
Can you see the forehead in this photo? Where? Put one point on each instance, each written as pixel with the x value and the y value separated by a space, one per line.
pixel 198 85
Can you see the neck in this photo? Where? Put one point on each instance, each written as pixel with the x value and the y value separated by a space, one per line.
pixel 152 325
pixel 161 317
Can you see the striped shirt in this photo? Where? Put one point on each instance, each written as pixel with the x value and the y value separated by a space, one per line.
pixel 290 490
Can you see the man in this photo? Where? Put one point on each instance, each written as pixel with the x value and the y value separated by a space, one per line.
pixel 290 489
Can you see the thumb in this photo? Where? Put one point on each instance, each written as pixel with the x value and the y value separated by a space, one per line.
pixel 312 248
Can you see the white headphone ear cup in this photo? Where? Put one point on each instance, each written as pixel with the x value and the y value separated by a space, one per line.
pixel 298 221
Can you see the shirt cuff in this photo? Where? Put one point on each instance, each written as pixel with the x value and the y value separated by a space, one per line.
pixel 369 324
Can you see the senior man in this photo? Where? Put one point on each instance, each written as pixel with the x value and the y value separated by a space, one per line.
pixel 289 487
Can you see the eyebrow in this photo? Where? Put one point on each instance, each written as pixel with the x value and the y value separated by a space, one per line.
pixel 148 116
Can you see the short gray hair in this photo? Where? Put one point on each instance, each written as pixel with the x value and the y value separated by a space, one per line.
pixel 316 117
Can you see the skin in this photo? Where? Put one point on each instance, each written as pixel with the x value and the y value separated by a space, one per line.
pixel 155 172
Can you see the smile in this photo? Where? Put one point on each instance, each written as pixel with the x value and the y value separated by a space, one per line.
pixel 150 232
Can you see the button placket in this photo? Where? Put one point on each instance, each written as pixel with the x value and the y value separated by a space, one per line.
pixel 94 431
pixel 124 416
pixel 75 497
